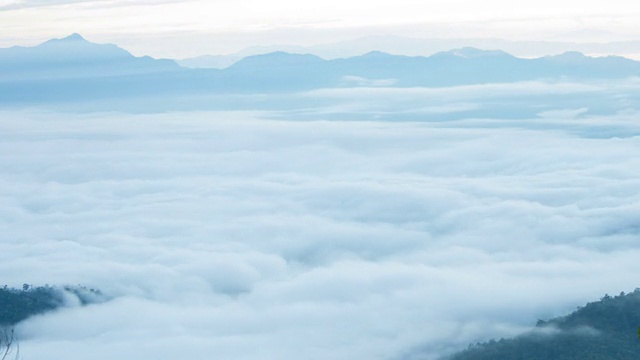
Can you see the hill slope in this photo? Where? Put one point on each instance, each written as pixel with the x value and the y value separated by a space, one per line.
pixel 602 330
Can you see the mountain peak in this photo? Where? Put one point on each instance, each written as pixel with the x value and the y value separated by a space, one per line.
pixel 277 58
pixel 569 57
pixel 377 53
pixel 474 53
pixel 73 37
pixel 73 57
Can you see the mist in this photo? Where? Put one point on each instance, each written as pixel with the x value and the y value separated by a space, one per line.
pixel 284 234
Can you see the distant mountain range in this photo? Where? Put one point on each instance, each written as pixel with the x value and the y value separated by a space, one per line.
pixel 401 45
pixel 72 69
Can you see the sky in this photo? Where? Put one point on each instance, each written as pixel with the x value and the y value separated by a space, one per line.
pixel 177 29
pixel 265 235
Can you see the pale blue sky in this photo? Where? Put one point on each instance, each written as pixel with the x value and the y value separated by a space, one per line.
pixel 188 28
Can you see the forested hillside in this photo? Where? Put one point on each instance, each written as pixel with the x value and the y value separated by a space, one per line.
pixel 602 330
pixel 19 304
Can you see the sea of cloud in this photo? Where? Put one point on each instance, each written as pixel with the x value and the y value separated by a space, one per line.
pixel 255 235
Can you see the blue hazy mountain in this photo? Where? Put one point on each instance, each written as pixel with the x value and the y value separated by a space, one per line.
pixel 279 71
pixel 75 57
pixel 74 69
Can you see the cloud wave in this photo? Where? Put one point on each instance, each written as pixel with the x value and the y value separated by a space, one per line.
pixel 231 235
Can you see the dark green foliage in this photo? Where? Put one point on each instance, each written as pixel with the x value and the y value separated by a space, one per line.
pixel 19 304
pixel 602 330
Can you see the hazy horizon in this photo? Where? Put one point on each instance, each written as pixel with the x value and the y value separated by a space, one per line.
pixel 199 27
pixel 388 43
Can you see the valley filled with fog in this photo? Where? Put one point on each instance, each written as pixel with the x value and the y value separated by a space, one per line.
pixel 347 223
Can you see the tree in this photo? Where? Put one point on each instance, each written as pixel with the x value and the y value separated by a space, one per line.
pixel 8 343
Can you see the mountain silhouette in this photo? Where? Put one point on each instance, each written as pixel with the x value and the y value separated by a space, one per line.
pixel 72 69
pixel 75 57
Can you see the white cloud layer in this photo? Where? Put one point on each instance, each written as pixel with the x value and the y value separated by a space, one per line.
pixel 231 236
